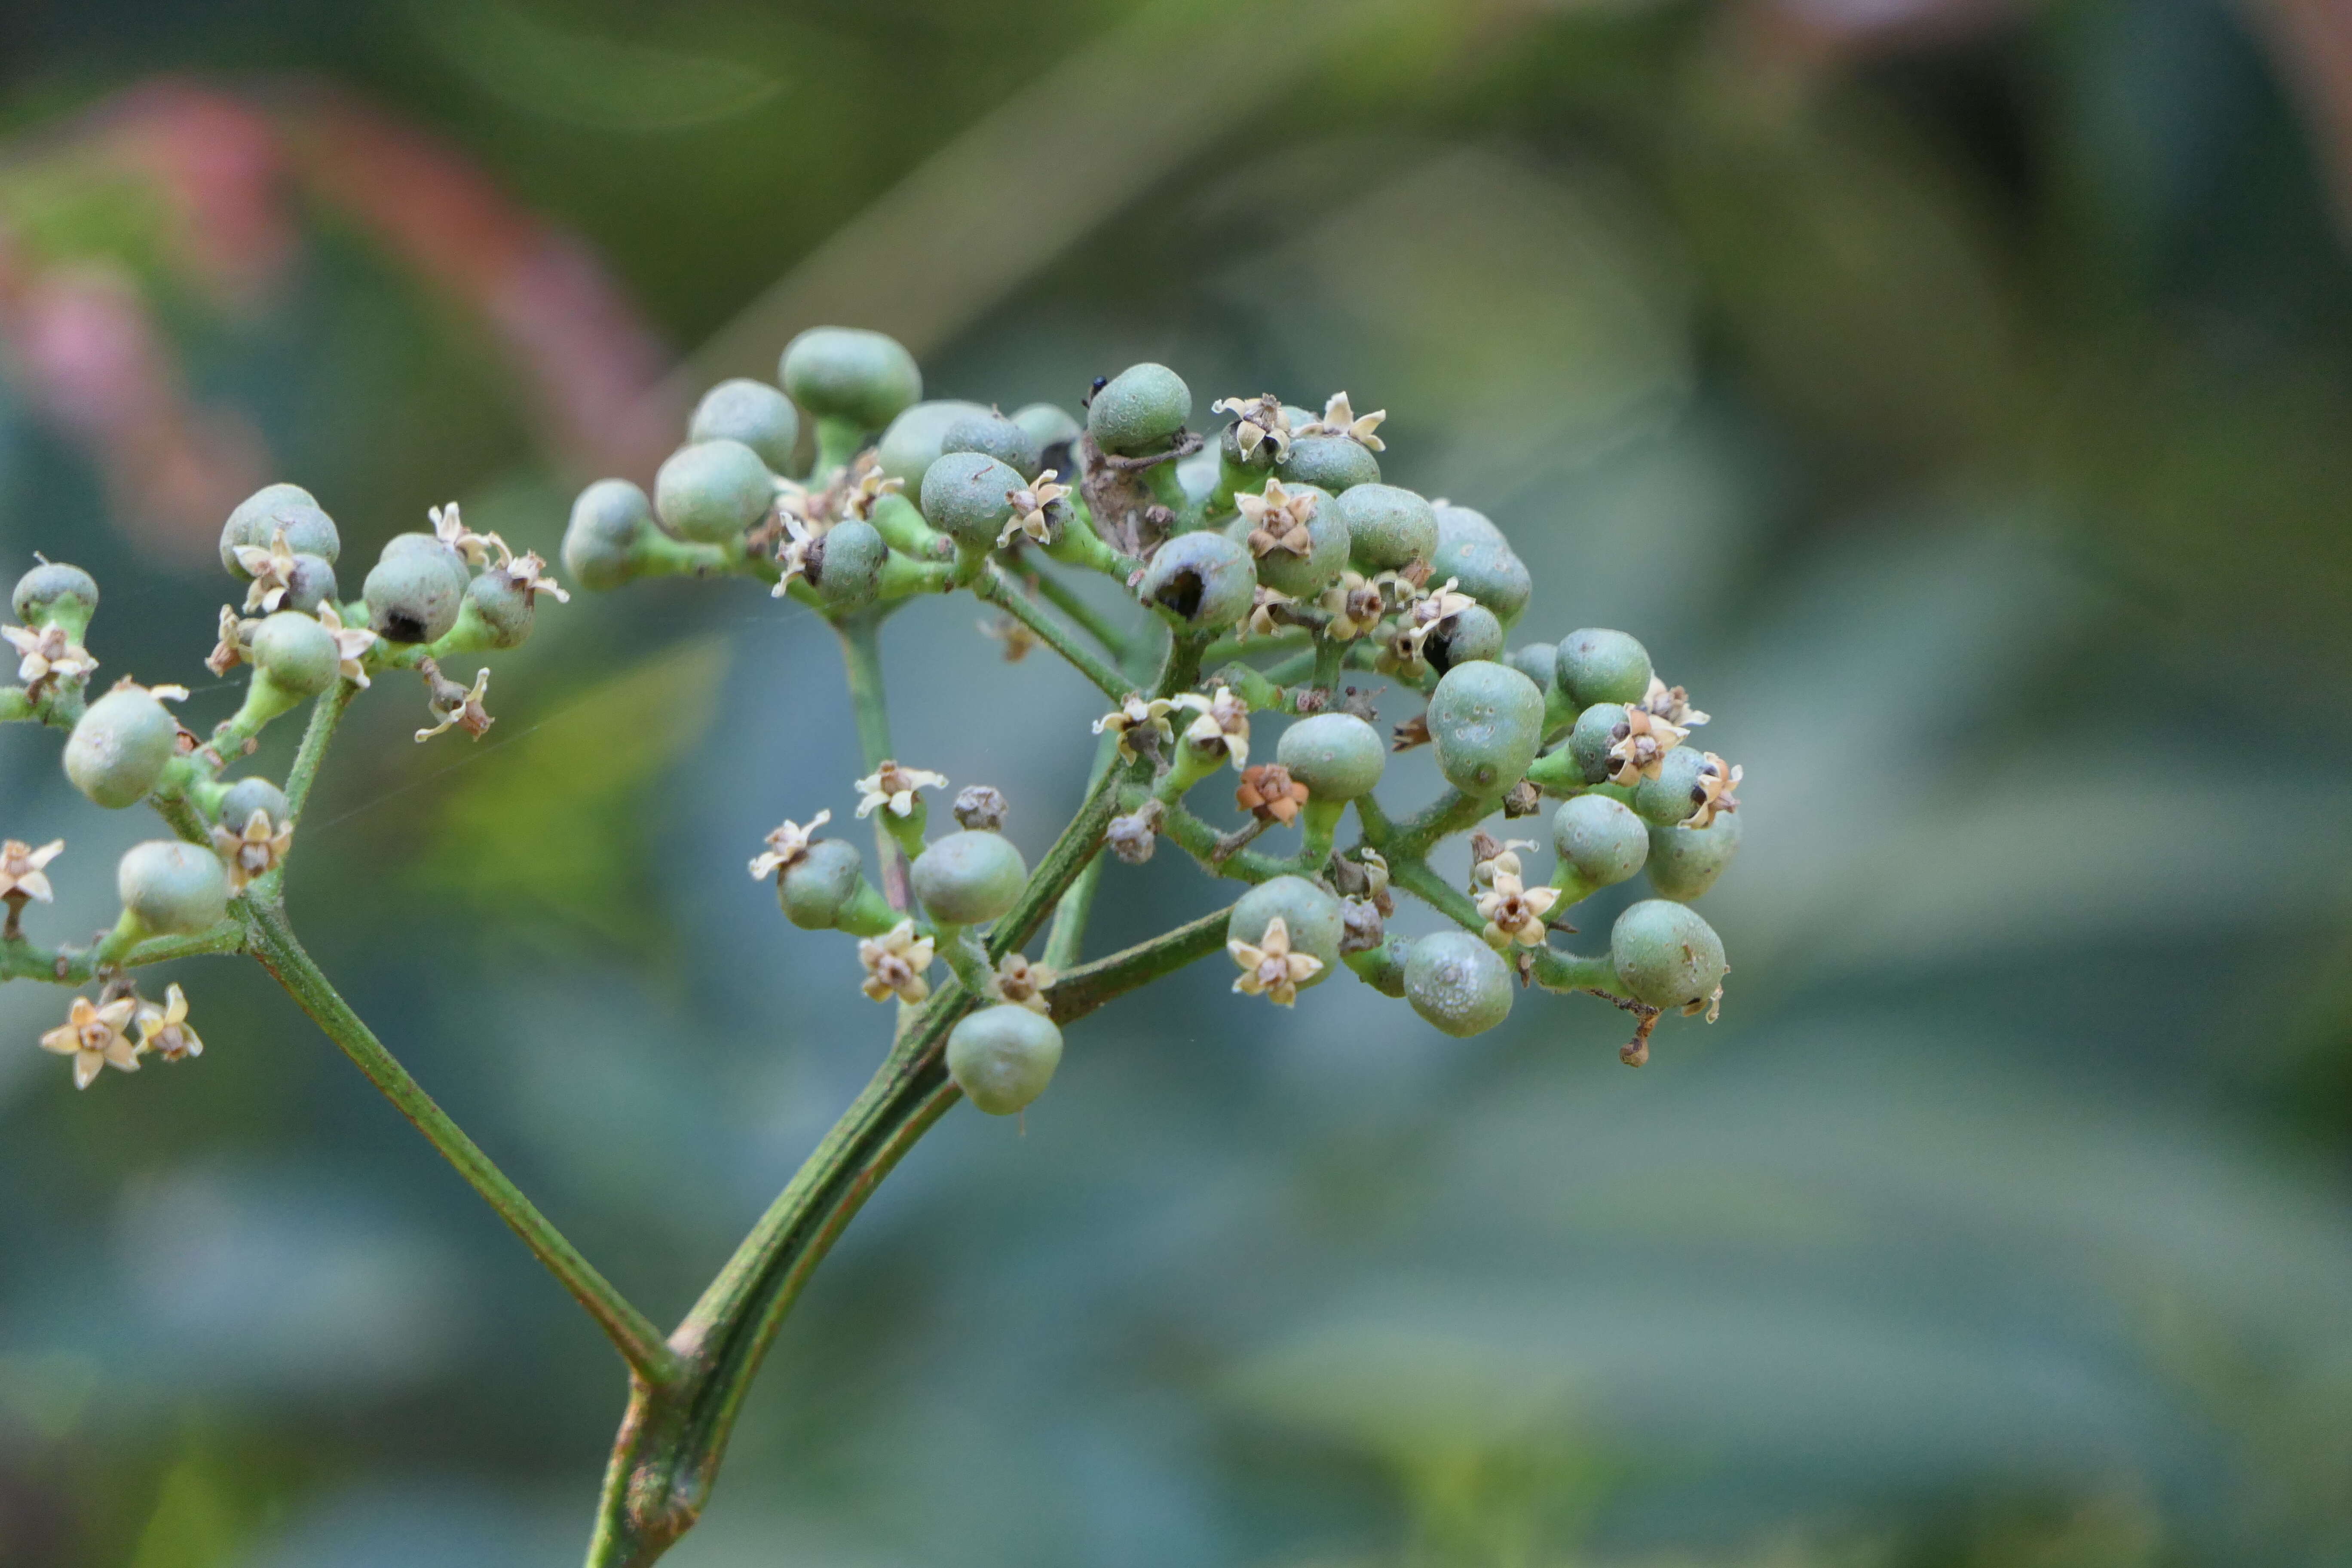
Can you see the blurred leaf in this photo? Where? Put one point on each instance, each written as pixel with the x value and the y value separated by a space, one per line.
pixel 581 79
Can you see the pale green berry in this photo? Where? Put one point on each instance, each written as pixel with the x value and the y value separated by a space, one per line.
pixel 1665 954
pixel 1457 983
pixel 992 434
pixel 713 491
pixel 1674 794
pixel 1487 722
pixel 247 795
pixel 815 889
pixel 911 445
pixel 611 523
pixel 1598 728
pixel 1597 666
pixel 1337 756
pixel 504 607
pixel 54 593
pixel 845 564
pixel 1003 1056
pixel 1539 662
pixel 1055 429
pixel 1473 551
pixel 1140 410
pixel 1229 449
pixel 431 544
pixel 309 582
pixel 967 495
pixel 1382 967
pixel 258 517
pixel 1601 839
pixel 414 595
pixel 847 372
pixel 1203 581
pixel 1335 463
pixel 296 653
pixel 120 747
pixel 1310 912
pixel 751 411
pixel 969 877
pixel 1465 636
pixel 172 889
pixel 1684 862
pixel 1388 528
pixel 1302 576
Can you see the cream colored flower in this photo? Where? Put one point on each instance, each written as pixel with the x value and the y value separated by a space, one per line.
pixel 1499 859
pixel 1270 968
pixel 1355 604
pixel 528 572
pixel 1425 615
pixel 272 571
pixel 895 962
pixel 866 486
pixel 1711 1004
pixel 231 650
pixel 253 850
pixel 1670 704
pixel 1256 421
pixel 1135 712
pixel 1265 604
pixel 1032 503
pixel 1713 791
pixel 787 844
pixel 1515 911
pixel 1277 519
pixel 21 874
pixel 895 787
pixel 458 707
pixel 451 531
pixel 47 655
pixel 1223 720
pixel 1639 744
pixel 163 1031
pixel 1023 983
pixel 353 645
pixel 794 556
pixel 1340 419
pixel 93 1036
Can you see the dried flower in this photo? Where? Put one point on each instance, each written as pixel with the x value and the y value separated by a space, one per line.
pixel 1278 518
pixel 1256 421
pixel 1711 791
pixel 232 649
pixel 1414 732
pixel 93 1036
pixel 456 706
pixel 1340 419
pixel 1032 503
pixel 528 572
pixel 1134 837
pixel 451 531
pixel 1265 612
pixel 895 962
pixel 895 787
pixel 253 850
pixel 787 844
pixel 1670 704
pixel 48 656
pixel 1427 612
pixel 1712 1005
pixel 1269 793
pixel 1489 859
pixel 353 645
pixel 1515 911
pixel 1524 798
pixel 1640 745
pixel 1361 926
pixel 272 571
pixel 22 878
pixel 164 1031
pixel 1224 721
pixel 1270 968
pixel 1013 633
pixel 1363 874
pixel 1355 604
pixel 980 807
pixel 865 488
pixel 1134 713
pixel 1023 983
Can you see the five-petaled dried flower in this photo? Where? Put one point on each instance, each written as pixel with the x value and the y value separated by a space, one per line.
pixel 1426 614
pixel 93 1036
pixel 1278 518
pixel 451 529
pixel 1264 606
pixel 1640 745
pixel 272 571
pixel 1515 911
pixel 528 572
pixel 1355 604
pixel 895 962
pixel 1256 421
pixel 1224 722
pixel 1136 712
pixel 255 849
pixel 1340 419
pixel 787 844
pixel 231 649
pixel 1269 968
pixel 47 655
pixel 1268 792
pixel 1023 983
pixel 1032 504
pixel 1711 791
pixel 164 1030
pixel 457 707
pixel 895 787
pixel 1019 641
pixel 1670 704
pixel 353 644
pixel 21 874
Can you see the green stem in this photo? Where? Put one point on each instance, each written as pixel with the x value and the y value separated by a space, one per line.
pixel 1328 652
pixel 325 714
pixel 1090 986
pixel 1073 603
pixel 21 960
pixel 639 1342
pixel 1065 938
pixel 1199 840
pixel 998 588
pixel 1414 877
pixel 861 656
pixel 1447 815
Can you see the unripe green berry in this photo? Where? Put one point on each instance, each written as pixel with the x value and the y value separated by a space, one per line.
pixel 1457 983
pixel 54 593
pixel 1473 551
pixel 120 747
pixel 1539 662
pixel 258 519
pixel 309 582
pixel 1140 410
pixel 967 495
pixel 751 411
pixel 845 564
pixel 1665 955
pixel 247 795
pixel 413 593
pixel 815 889
pixel 1258 460
pixel 1308 911
pixel 1337 756
pixel 1684 862
pixel 1674 794
pixel 911 445
pixel 1303 577
pixel 1597 666
pixel 296 653
pixel 1598 728
pixel 1487 721
pixel 713 491
pixel 1051 426
pixel 848 372
pixel 1601 839
pixel 1388 528
pixel 503 607
pixel 998 437
pixel 610 524
pixel 1203 581
pixel 1466 635
pixel 428 544
pixel 1334 463
pixel 172 889
pixel 969 877
pixel 1003 1056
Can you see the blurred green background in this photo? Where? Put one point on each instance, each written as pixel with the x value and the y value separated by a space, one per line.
pixel 1957 396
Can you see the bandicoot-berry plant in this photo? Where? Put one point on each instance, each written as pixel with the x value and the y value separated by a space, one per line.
pixel 1263 568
